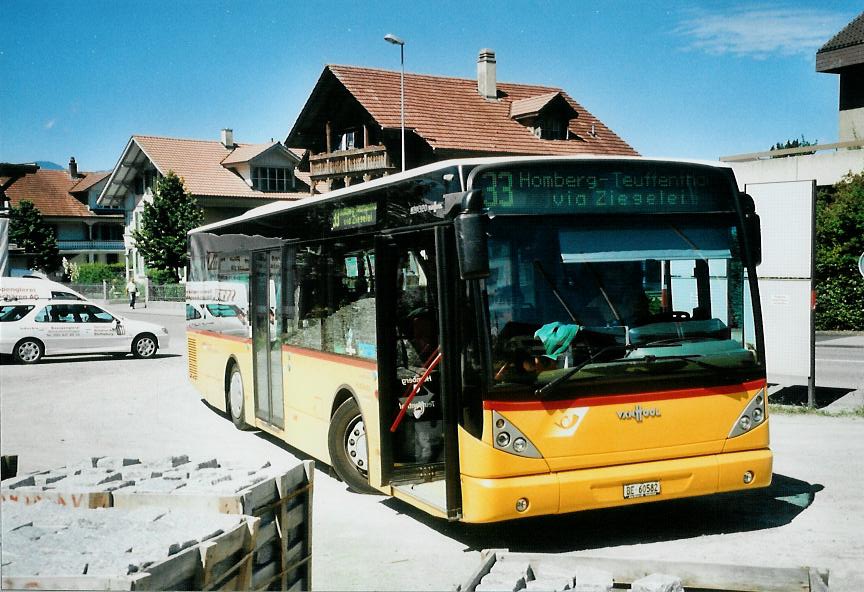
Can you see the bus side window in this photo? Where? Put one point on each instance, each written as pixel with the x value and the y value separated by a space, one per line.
pixel 335 304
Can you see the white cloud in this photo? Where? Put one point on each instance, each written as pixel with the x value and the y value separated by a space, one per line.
pixel 760 31
pixel 50 123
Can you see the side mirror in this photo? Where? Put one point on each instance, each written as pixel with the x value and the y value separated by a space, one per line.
pixel 752 230
pixel 472 245
pixel 118 326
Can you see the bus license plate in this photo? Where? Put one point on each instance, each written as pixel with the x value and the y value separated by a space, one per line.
pixel 646 489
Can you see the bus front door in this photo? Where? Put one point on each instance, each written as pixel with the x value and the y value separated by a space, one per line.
pixel 410 368
pixel 266 316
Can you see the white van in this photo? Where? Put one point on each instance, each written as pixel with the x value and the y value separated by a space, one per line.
pixel 33 288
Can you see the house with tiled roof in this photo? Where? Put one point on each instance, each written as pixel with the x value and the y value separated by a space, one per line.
pixel 351 122
pixel 67 199
pixel 843 54
pixel 226 178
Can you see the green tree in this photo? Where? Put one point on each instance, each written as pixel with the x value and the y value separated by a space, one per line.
pixel 161 236
pixel 839 244
pixel 796 143
pixel 28 230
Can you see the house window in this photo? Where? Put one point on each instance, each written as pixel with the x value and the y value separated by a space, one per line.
pixel 272 179
pixel 146 180
pixel 551 128
pixel 347 141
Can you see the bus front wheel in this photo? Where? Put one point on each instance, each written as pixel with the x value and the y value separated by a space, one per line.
pixel 347 444
pixel 235 398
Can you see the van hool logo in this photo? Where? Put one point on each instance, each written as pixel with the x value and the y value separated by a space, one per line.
pixel 639 413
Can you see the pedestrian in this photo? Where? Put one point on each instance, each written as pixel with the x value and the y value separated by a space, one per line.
pixel 132 290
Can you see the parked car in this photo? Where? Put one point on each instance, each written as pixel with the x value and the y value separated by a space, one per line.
pixel 33 328
pixel 222 317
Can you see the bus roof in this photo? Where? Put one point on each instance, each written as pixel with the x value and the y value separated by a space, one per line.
pixel 459 164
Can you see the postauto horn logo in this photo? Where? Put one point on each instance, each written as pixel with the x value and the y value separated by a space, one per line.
pixel 638 413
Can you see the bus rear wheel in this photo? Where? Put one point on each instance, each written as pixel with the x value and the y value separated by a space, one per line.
pixel 235 399
pixel 348 450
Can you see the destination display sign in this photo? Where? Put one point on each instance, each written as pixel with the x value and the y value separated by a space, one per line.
pixel 617 187
pixel 354 216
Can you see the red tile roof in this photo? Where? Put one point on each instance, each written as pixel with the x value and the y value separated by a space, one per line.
pixel 534 105
pixel 449 113
pixel 246 152
pixel 199 163
pixel 49 192
pixel 88 181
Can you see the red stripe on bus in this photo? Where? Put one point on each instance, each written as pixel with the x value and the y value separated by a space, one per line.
pixel 621 399
pixel 220 335
pixel 329 357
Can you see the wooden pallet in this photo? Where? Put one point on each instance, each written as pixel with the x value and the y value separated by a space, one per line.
pixel 283 556
pixel 221 563
pixel 694 576
pixel 83 499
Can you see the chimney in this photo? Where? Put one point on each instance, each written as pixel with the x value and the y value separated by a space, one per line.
pixel 228 137
pixel 73 167
pixel 486 83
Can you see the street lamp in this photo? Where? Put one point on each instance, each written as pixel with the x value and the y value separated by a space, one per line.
pixel 391 38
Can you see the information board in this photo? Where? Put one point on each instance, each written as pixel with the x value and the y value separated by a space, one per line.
pixel 598 187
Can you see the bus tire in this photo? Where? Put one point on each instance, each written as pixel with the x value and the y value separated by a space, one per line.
pixel 235 400
pixel 347 443
pixel 28 351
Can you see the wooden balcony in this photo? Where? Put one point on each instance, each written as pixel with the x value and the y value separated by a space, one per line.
pixel 372 160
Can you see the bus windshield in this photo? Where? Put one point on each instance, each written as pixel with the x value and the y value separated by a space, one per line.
pixel 572 302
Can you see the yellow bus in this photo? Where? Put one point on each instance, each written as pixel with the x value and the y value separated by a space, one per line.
pixel 489 339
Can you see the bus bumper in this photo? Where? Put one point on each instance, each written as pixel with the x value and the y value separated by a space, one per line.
pixel 491 500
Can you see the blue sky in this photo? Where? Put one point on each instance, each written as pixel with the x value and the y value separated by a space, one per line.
pixel 682 79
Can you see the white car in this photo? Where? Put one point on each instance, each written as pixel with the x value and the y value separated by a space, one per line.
pixel 30 329
pixel 222 317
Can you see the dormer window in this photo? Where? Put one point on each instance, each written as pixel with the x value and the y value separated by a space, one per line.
pixel 273 179
pixel 551 128
pixel 547 116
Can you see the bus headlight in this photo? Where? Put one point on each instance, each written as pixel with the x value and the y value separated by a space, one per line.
pixel 753 415
pixel 507 438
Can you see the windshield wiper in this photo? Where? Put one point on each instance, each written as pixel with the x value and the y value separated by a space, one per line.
pixel 687 358
pixel 557 294
pixel 649 359
pixel 676 341
pixel 567 375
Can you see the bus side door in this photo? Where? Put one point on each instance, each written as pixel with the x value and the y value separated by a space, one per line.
pixel 410 378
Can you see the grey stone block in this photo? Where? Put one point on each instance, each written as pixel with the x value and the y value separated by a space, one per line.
pixel 501 581
pixel 552 584
pixel 657 582
pixel 592 580
pixel 28 481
